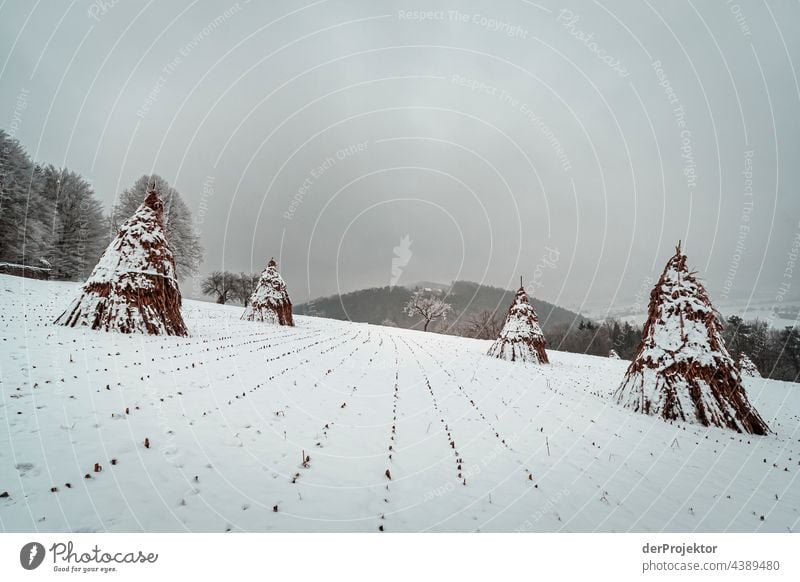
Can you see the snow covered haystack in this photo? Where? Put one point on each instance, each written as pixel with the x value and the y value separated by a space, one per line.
pixel 134 287
pixel 613 355
pixel 747 367
pixel 521 339
pixel 682 370
pixel 270 301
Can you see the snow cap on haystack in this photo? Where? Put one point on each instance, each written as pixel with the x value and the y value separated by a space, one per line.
pixel 521 339
pixel 747 367
pixel 133 288
pixel 270 301
pixel 682 370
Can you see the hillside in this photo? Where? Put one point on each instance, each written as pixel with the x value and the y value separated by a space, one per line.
pixel 257 427
pixel 381 304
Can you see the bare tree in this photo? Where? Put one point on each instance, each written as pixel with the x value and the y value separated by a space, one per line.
pixel 482 325
pixel 244 285
pixel 426 306
pixel 221 284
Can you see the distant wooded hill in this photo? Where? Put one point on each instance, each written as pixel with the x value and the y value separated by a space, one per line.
pixel 384 305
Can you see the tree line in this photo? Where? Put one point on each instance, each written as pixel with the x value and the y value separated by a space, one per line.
pixel 51 218
pixel 775 352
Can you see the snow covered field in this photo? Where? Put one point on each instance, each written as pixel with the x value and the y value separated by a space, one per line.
pixel 475 443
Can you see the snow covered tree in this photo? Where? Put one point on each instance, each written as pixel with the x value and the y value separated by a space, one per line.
pixel 747 367
pixel 426 306
pixel 739 335
pixel 134 287
pixel 78 231
pixel 682 370
pixel 521 339
pixel 178 226
pixel 23 230
pixel 49 217
pixel 270 301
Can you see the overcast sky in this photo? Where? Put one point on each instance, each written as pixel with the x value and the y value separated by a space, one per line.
pixel 572 144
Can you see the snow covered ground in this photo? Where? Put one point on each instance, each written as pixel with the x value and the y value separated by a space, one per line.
pixel 475 443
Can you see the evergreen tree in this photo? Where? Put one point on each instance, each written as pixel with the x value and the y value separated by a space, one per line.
pixel 23 230
pixel 78 231
pixel 790 338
